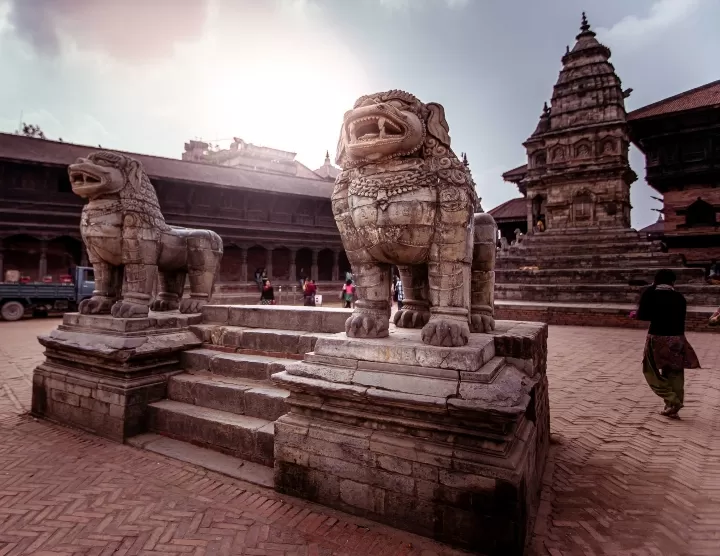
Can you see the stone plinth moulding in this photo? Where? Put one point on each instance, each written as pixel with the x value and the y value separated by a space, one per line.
pixel 100 372
pixel 445 442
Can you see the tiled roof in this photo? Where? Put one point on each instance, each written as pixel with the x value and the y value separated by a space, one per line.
pixel 40 151
pixel 700 97
pixel 516 173
pixel 657 227
pixel 514 209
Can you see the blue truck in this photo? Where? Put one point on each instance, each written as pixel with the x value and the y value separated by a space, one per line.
pixel 17 300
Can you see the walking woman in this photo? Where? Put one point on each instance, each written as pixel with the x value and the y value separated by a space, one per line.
pixel 667 351
pixel 267 295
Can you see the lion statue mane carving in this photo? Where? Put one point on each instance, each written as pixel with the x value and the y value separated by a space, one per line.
pixel 129 243
pixel 404 198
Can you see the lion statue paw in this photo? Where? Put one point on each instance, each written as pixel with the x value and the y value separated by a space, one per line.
pixel 192 305
pixel 482 323
pixel 365 325
pixel 129 310
pixel 164 305
pixel 445 333
pixel 96 305
pixel 411 318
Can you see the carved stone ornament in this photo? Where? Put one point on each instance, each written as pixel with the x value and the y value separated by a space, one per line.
pixel 129 243
pixel 403 198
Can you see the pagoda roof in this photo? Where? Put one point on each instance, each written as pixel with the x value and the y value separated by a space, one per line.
pixel 705 96
pixel 516 173
pixel 512 210
pixel 18 148
pixel 654 228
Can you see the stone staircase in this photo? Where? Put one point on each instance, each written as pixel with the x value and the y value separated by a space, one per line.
pixel 224 401
pixel 592 266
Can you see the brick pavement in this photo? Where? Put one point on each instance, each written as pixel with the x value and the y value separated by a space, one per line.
pixel 622 480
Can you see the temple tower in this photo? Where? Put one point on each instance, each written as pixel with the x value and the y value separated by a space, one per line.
pixel 578 172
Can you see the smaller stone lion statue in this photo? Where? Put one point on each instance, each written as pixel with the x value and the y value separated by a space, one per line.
pixel 404 198
pixel 129 244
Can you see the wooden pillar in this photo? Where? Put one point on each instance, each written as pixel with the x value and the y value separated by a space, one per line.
pixel 336 267
pixel 268 262
pixel 42 265
pixel 314 267
pixel 293 267
pixel 243 264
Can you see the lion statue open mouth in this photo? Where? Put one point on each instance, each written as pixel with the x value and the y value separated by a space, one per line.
pixel 129 243
pixel 404 198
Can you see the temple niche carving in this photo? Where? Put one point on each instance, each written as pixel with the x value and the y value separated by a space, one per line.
pixel 586 133
pixel 129 244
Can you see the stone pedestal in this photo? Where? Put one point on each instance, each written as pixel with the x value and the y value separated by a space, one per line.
pixel 100 372
pixel 449 443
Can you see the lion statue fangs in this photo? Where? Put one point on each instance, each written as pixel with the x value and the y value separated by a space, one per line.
pixel 129 243
pixel 399 177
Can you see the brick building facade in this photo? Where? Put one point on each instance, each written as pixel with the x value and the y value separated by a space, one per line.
pixel 680 138
pixel 266 218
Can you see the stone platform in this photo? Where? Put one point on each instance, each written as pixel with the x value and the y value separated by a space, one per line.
pixel 445 442
pixel 592 277
pixel 100 372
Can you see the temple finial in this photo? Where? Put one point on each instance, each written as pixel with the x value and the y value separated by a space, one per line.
pixel 546 109
pixel 465 160
pixel 327 156
pixel 585 27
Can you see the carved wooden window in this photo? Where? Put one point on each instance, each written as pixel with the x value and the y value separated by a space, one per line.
pixel 693 151
pixel 582 206
pixel 700 213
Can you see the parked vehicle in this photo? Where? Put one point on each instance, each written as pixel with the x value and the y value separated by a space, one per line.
pixel 18 299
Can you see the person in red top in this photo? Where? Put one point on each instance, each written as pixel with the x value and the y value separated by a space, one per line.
pixel 309 292
pixel 348 294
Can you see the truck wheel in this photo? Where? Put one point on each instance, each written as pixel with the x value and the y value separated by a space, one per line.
pixel 12 310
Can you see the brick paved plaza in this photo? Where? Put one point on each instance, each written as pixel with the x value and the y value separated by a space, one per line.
pixel 622 480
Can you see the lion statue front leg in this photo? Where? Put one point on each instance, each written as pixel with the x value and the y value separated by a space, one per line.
pixel 140 261
pixel 107 286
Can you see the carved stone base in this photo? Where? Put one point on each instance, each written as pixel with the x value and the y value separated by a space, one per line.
pixel 101 372
pixel 448 443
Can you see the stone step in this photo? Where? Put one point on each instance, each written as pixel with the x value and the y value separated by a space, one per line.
pixel 208 459
pixel 278 317
pixel 598 293
pixel 582 247
pixel 594 236
pixel 590 260
pixel 232 365
pixel 593 275
pixel 240 396
pixel 241 436
pixel 274 342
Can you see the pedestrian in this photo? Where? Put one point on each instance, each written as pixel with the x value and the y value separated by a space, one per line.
pixel 667 351
pixel 348 275
pixel 715 318
pixel 309 292
pixel 399 297
pixel 302 278
pixel 267 295
pixel 348 294
pixel 258 278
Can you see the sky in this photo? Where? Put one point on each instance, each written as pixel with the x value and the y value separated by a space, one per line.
pixel 148 75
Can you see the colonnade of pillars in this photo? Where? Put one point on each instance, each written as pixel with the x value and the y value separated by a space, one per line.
pixel 41 247
pixel 315 263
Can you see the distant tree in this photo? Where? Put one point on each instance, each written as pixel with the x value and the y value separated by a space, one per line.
pixel 30 130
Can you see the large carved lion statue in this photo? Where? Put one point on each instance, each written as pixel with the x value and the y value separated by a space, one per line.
pixel 403 198
pixel 129 243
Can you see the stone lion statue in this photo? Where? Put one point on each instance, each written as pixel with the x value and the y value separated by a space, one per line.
pixel 129 243
pixel 403 198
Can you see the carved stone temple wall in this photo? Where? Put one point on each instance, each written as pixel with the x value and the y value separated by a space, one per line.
pixel 578 172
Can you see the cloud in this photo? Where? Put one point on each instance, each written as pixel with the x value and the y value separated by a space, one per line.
pixel 399 5
pixel 663 15
pixel 136 30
